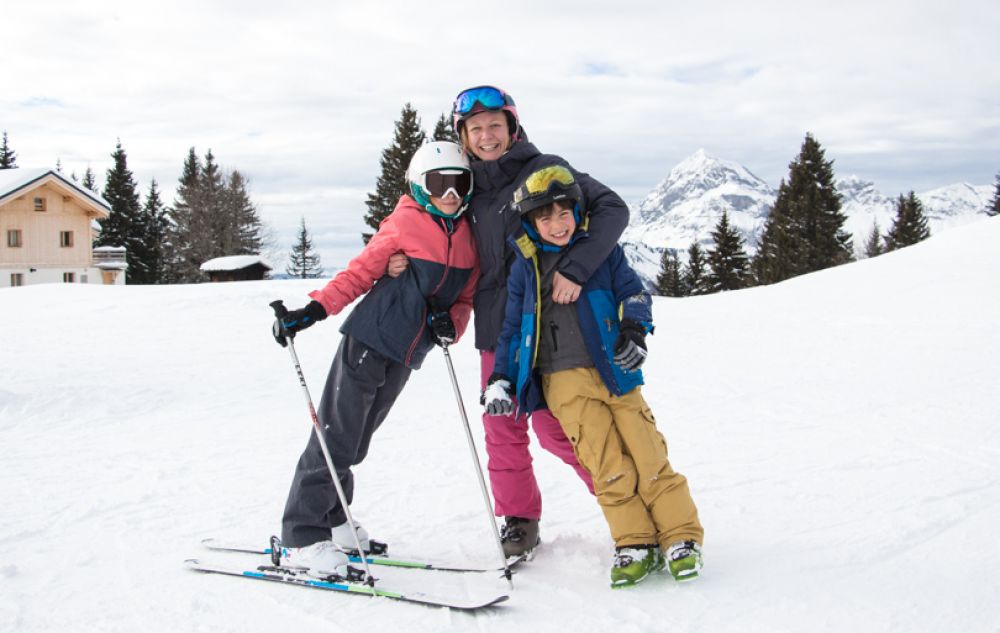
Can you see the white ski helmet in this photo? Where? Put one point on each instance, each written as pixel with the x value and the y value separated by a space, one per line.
pixel 436 169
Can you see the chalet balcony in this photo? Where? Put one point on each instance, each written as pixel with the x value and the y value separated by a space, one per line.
pixel 110 258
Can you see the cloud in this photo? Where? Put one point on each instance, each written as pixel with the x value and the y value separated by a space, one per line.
pixel 302 97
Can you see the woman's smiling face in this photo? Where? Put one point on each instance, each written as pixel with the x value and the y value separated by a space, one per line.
pixel 488 134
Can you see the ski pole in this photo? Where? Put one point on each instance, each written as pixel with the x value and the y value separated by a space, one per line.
pixel 478 466
pixel 279 312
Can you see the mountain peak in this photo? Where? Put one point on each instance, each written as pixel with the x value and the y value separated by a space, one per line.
pixel 686 205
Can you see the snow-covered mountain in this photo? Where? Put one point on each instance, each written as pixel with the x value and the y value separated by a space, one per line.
pixel 687 204
pixel 945 207
pixel 692 198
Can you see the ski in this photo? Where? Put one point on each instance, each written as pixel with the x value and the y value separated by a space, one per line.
pixel 221 546
pixel 286 575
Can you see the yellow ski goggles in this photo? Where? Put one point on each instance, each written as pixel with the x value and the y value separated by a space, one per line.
pixel 545 186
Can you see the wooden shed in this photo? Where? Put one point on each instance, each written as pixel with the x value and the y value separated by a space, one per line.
pixel 236 268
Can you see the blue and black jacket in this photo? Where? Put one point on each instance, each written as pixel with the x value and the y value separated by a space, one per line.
pixel 612 293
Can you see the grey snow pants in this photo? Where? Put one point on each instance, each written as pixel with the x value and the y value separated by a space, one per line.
pixel 360 389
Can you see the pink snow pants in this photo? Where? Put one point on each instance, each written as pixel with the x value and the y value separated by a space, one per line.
pixel 515 491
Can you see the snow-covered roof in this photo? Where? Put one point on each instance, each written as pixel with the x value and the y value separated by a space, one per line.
pixel 14 180
pixel 234 262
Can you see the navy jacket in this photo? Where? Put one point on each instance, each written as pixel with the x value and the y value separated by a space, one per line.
pixel 493 221
pixel 613 292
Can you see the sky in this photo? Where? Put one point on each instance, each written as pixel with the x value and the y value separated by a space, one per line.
pixel 302 97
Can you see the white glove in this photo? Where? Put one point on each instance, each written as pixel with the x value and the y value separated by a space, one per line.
pixel 497 397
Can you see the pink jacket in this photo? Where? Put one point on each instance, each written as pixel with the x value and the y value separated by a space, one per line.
pixel 442 275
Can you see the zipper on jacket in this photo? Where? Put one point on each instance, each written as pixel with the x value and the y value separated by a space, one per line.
pixel 555 335
pixel 423 320
pixel 538 309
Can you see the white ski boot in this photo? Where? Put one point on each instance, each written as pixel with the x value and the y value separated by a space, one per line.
pixel 344 540
pixel 320 559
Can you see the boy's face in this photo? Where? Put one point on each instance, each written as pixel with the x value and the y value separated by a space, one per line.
pixel 556 224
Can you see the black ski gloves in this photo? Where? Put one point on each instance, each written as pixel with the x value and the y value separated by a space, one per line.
pixel 630 346
pixel 442 328
pixel 499 396
pixel 296 320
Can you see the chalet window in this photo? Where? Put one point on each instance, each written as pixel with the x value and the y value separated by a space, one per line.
pixel 17 279
pixel 14 238
pixel 69 278
pixel 65 238
pixel 39 204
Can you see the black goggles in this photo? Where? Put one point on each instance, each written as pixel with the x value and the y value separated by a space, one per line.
pixel 439 183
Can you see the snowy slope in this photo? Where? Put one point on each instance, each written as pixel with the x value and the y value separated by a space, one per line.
pixel 839 431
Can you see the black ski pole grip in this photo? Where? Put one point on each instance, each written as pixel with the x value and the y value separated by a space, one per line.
pixel 279 308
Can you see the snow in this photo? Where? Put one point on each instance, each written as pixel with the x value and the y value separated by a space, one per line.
pixel 839 431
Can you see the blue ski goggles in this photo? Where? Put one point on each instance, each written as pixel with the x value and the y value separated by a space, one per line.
pixel 488 98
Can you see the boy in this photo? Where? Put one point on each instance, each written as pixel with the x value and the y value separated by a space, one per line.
pixel 583 362
pixel 385 337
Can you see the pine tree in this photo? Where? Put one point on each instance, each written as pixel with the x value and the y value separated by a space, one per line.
pixel 729 267
pixel 221 239
pixel 443 130
pixel 8 157
pixel 124 226
pixel 391 183
pixel 212 216
pixel 249 229
pixel 89 181
pixel 994 207
pixel 804 232
pixel 874 246
pixel 777 251
pixel 186 222
pixel 909 225
pixel 695 277
pixel 304 261
pixel 156 221
pixel 669 282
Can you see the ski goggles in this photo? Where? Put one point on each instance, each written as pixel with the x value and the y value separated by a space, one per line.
pixel 440 183
pixel 488 98
pixel 549 184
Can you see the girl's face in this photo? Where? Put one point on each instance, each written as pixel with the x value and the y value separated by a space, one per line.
pixel 448 205
pixel 487 135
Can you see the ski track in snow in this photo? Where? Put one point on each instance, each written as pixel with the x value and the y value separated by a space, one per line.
pixel 839 432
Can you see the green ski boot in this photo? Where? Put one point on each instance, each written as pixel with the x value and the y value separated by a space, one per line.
pixel 633 563
pixel 684 560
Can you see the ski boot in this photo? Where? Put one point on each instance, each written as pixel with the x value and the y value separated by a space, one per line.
pixel 633 563
pixel 342 538
pixel 320 559
pixel 519 537
pixel 684 560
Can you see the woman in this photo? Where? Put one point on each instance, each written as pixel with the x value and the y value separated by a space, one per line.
pixel 486 120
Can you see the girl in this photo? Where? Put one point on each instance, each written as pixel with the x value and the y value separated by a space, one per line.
pixel 386 336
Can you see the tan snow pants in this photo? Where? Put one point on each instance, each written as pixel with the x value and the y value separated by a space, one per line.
pixel 615 438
